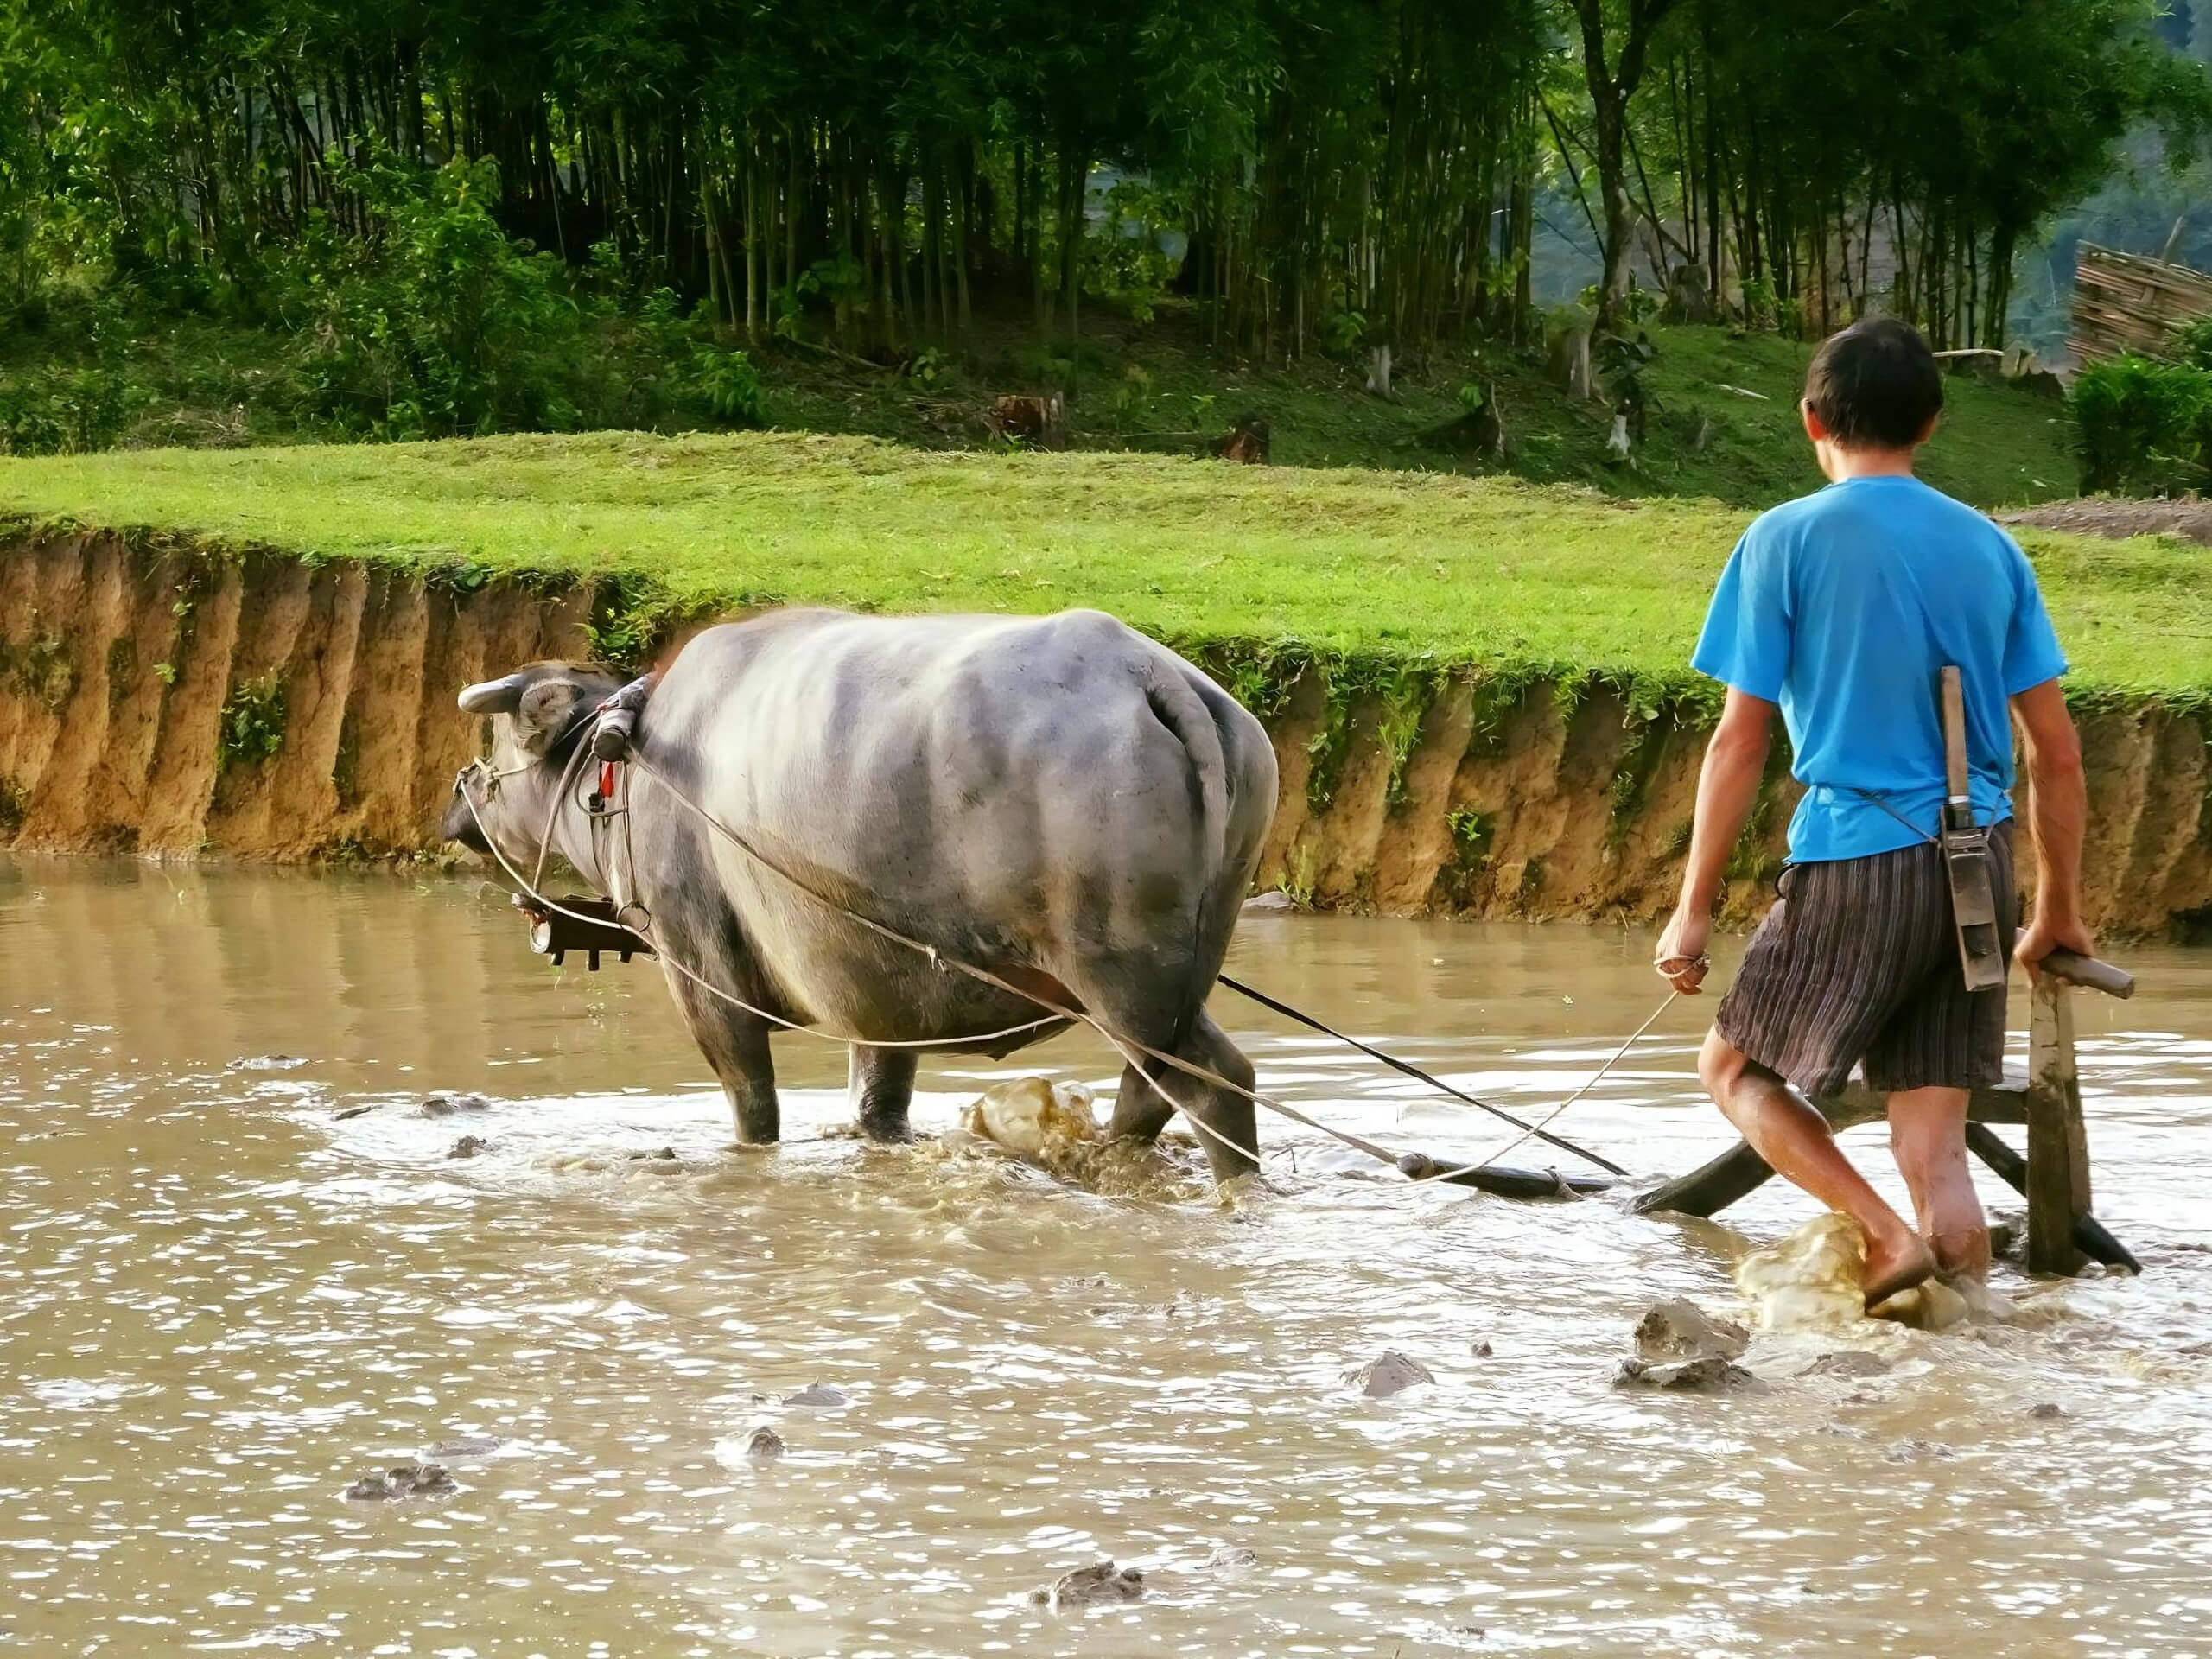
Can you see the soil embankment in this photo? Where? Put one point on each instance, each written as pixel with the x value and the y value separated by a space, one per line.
pixel 165 698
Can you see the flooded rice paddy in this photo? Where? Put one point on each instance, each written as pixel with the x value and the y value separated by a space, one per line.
pixel 244 1268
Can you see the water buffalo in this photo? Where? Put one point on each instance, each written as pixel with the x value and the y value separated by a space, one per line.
pixel 1056 799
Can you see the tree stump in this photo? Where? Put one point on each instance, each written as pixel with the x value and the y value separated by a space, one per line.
pixel 1033 423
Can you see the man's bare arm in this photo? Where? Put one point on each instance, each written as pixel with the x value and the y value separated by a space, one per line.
pixel 2059 809
pixel 1727 786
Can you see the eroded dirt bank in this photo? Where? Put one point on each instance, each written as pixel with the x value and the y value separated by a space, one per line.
pixel 168 698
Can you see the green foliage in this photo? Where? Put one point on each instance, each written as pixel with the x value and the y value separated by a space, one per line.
pixel 2192 343
pixel 1343 332
pixel 1260 675
pixel 1471 832
pixel 2144 427
pixel 632 618
pixel 436 323
pixel 1127 263
pixel 1759 304
pixel 1648 746
pixel 1471 836
pixel 1643 304
pixel 66 410
pixel 1621 367
pixel 927 368
pixel 1328 747
pixel 732 385
pixel 1403 705
pixel 252 728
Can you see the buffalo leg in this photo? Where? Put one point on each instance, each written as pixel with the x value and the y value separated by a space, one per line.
pixel 879 1083
pixel 737 1047
pixel 1226 1121
pixel 1141 1112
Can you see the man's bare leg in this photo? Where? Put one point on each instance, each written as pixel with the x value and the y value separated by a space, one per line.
pixel 1790 1134
pixel 1928 1134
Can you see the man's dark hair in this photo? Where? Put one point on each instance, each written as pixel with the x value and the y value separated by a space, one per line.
pixel 1875 385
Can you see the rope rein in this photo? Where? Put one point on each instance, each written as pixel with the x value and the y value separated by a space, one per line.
pixel 1055 1014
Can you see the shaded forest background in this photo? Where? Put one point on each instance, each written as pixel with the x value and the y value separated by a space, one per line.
pixel 450 217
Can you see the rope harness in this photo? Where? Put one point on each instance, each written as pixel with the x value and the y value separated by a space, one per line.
pixel 632 916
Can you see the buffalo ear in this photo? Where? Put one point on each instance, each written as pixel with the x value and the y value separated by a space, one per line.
pixel 544 711
pixel 498 697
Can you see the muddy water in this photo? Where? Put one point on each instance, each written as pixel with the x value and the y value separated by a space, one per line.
pixel 229 1293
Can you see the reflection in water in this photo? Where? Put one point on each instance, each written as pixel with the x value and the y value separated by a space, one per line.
pixel 237 1283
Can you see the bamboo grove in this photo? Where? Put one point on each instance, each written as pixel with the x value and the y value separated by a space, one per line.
pixel 1304 172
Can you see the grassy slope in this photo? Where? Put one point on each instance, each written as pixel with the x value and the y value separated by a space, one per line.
pixel 1399 563
pixel 199 382
pixel 1998 447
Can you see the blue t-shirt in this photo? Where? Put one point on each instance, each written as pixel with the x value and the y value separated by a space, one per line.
pixel 1843 607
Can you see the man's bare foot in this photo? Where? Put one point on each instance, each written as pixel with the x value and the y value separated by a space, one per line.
pixel 1961 1253
pixel 1895 1263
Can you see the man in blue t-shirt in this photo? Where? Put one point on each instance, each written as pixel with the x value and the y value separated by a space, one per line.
pixel 1841 610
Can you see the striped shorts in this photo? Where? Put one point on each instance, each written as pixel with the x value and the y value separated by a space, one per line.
pixel 1858 963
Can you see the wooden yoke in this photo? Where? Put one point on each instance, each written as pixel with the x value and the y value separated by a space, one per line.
pixel 2058 1141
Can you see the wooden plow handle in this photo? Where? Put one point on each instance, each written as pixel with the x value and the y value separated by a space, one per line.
pixel 2089 971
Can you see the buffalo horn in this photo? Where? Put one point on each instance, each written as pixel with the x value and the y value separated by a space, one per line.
pixel 500 697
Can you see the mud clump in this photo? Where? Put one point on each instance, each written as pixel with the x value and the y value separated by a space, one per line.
pixel 1932 1305
pixel 403 1480
pixel 472 1446
pixel 1810 1281
pixel 1681 1330
pixel 1053 1127
pixel 1709 1374
pixel 443 1103
pixel 1036 1119
pixel 2008 1236
pixel 1388 1374
pixel 1099 1584
pixel 1847 1362
pixel 1679 1346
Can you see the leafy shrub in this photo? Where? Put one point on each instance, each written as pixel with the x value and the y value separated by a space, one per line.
pixel 927 367
pixel 2144 428
pixel 1761 309
pixel 1130 261
pixel 731 384
pixel 1641 305
pixel 62 409
pixel 1342 332
pixel 253 729
pixel 437 323
pixel 1621 363
pixel 2192 343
